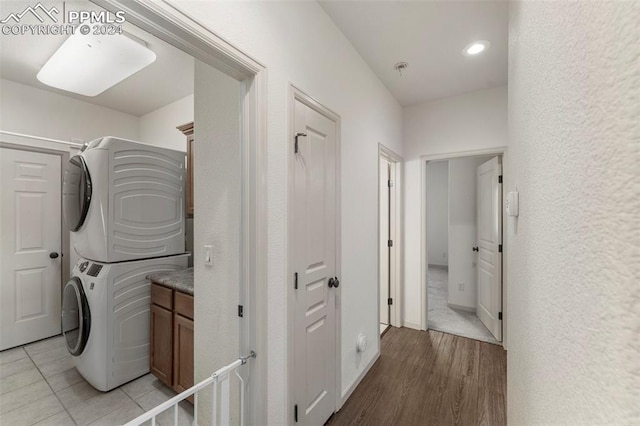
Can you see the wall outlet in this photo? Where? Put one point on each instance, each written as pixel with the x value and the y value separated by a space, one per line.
pixel 460 286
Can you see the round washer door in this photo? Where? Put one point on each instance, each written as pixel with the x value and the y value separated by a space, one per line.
pixel 76 192
pixel 76 318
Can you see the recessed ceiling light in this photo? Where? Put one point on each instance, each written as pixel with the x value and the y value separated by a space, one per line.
pixel 90 64
pixel 475 48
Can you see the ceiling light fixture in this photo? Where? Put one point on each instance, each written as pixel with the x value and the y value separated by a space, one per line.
pixel 401 66
pixel 475 48
pixel 90 64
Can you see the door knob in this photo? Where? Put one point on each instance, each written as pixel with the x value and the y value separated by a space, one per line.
pixel 53 255
pixel 475 249
pixel 334 282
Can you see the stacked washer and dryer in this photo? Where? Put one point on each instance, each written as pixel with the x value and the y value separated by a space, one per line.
pixel 124 203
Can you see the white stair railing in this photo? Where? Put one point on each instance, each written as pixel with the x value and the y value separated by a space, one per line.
pixel 219 379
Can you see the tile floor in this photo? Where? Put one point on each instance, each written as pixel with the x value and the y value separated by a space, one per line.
pixel 40 386
pixel 453 321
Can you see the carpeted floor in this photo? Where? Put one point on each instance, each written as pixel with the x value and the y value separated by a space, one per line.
pixel 448 320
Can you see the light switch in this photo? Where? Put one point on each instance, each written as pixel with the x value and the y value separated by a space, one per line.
pixel 208 255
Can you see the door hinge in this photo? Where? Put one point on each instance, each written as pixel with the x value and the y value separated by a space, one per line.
pixel 500 179
pixel 240 311
pixel 295 280
pixel 389 243
pixel 295 413
pixel 500 316
pixel 389 301
pixel 499 248
pixel 390 183
pixel 295 146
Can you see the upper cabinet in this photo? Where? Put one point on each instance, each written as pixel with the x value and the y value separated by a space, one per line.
pixel 187 130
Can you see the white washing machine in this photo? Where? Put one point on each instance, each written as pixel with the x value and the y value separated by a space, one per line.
pixel 125 200
pixel 106 318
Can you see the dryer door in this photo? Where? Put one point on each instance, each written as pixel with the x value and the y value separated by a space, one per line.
pixel 76 318
pixel 76 192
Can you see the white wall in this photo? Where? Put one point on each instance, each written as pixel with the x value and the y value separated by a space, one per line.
pixel 159 127
pixel 28 110
pixel 574 91
pixel 473 121
pixel 438 212
pixel 463 230
pixel 298 43
pixel 217 220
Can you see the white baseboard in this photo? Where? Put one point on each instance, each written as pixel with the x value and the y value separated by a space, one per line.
pixel 461 308
pixel 347 394
pixel 412 325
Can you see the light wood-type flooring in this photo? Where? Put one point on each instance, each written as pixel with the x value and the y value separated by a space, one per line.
pixel 430 378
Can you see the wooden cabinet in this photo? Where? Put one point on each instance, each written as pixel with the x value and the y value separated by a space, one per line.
pixel 171 358
pixel 161 357
pixel 187 130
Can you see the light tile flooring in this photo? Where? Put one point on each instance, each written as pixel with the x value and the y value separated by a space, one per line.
pixel 40 386
pixel 452 321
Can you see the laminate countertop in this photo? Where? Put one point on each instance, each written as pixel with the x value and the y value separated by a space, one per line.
pixel 179 280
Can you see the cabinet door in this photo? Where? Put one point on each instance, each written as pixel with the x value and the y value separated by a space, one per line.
pixel 161 357
pixel 182 353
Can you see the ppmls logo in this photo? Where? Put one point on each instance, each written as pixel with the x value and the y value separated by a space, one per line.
pixel 33 10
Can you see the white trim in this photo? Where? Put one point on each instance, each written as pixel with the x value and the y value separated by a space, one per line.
pixel 361 376
pixel 424 254
pixel 397 235
pixel 412 325
pixel 172 24
pixel 28 140
pixel 295 94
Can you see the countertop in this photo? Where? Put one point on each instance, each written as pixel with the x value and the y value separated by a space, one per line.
pixel 179 280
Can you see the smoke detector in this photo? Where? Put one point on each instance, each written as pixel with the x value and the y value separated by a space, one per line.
pixel 401 66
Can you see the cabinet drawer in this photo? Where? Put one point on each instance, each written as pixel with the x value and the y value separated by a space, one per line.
pixel 162 296
pixel 184 304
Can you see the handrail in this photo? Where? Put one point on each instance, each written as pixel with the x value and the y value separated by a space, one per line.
pixel 217 376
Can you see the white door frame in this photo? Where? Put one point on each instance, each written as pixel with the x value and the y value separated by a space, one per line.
pixel 424 256
pixel 295 94
pixel 396 261
pixel 171 23
pixel 62 149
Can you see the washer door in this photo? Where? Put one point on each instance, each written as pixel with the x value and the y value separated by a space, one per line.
pixel 76 318
pixel 76 192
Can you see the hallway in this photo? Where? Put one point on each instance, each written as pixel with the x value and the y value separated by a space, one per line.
pixel 429 378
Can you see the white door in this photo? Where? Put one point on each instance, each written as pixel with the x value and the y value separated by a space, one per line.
pixel 385 236
pixel 489 217
pixel 30 274
pixel 314 259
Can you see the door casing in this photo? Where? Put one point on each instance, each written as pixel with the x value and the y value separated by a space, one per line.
pixel 396 260
pixel 295 94
pixel 424 159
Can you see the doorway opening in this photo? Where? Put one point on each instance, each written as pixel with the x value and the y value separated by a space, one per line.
pixel 389 245
pixel 463 214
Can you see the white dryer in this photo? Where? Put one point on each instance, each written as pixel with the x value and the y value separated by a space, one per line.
pixel 106 318
pixel 125 200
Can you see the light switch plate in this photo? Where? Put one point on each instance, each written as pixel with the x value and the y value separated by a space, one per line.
pixel 208 255
pixel 512 203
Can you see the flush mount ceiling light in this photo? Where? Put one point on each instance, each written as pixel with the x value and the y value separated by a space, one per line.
pixel 90 64
pixel 475 48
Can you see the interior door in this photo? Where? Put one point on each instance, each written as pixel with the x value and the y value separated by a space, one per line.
pixel 385 236
pixel 30 218
pixel 489 228
pixel 314 259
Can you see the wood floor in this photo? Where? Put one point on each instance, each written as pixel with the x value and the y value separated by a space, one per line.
pixel 430 378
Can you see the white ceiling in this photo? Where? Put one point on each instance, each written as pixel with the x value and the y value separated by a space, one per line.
pixel 430 36
pixel 168 79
